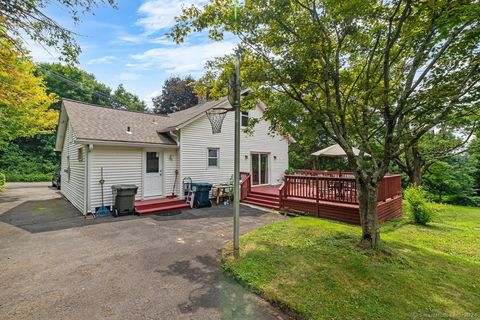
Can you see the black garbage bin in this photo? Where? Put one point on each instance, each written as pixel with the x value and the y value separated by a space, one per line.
pixel 123 199
pixel 202 192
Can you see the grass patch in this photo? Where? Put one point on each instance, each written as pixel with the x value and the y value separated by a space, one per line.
pixel 313 267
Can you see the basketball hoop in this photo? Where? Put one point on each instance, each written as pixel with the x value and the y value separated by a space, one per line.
pixel 216 117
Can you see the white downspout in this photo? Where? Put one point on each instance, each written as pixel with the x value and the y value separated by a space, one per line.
pixel 87 178
pixel 177 136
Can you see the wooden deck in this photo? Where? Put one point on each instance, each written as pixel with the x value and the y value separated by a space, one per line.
pixel 268 189
pixel 327 194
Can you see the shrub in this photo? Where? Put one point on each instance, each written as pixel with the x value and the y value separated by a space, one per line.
pixel 29 177
pixel 2 182
pixel 419 208
pixel 462 200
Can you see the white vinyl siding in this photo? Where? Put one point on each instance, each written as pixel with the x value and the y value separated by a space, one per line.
pixel 123 165
pixel 197 137
pixel 73 184
pixel 120 166
pixel 171 162
pixel 264 141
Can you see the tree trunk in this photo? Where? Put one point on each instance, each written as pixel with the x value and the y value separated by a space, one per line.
pixel 417 166
pixel 367 197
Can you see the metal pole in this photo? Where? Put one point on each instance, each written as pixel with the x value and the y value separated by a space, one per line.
pixel 236 164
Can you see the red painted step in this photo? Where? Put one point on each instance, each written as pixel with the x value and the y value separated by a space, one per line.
pixel 259 199
pixel 151 201
pixel 263 196
pixel 265 205
pixel 162 209
pixel 159 205
pixel 151 205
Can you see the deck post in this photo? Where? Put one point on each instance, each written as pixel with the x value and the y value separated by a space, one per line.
pixel 317 196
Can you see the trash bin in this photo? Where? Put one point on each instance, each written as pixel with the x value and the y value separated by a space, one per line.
pixel 123 199
pixel 202 193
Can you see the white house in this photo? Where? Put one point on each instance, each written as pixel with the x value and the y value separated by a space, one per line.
pixel 156 152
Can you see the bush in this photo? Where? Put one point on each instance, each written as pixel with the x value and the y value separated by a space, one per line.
pixel 419 208
pixel 2 182
pixel 28 177
pixel 463 200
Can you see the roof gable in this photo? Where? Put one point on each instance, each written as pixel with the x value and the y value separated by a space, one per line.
pixel 96 123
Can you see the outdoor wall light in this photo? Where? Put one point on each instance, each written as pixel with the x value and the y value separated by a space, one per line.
pixel 172 156
pixel 246 156
pixel 274 157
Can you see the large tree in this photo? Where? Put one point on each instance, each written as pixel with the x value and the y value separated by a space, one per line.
pixel 177 94
pixel 27 17
pixel 436 145
pixel 361 69
pixel 33 157
pixel 24 101
pixel 122 99
pixel 73 83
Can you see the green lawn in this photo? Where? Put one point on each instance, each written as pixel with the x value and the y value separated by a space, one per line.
pixel 313 267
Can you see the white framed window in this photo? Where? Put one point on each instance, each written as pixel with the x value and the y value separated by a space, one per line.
pixel 213 157
pixel 244 122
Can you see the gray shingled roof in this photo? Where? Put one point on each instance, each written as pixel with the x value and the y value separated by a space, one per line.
pixel 92 122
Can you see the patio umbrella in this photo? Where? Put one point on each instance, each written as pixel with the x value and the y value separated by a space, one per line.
pixel 335 151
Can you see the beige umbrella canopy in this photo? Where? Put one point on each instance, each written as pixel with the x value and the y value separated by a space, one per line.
pixel 335 151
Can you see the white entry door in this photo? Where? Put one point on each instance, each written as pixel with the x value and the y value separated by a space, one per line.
pixel 153 174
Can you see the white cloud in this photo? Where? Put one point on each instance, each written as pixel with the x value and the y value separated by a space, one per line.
pixel 160 14
pixel 126 76
pixel 148 98
pixel 140 39
pixel 41 53
pixel 182 59
pixel 102 60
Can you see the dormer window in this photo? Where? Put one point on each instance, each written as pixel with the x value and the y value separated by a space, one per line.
pixel 244 119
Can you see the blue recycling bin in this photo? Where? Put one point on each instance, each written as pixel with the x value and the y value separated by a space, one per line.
pixel 202 195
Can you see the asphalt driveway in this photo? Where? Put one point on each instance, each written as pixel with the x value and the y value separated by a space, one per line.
pixel 56 265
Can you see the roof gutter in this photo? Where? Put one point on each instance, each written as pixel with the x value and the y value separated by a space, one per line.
pixel 126 144
pixel 174 132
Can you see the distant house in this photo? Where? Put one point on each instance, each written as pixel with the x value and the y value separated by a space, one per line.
pixel 152 151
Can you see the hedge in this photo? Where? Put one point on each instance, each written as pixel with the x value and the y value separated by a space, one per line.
pixel 28 177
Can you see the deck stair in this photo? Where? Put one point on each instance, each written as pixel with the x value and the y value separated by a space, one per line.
pixel 163 205
pixel 263 199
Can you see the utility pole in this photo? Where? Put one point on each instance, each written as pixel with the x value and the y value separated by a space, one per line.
pixel 236 86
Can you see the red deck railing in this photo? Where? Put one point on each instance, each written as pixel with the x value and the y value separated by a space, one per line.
pixel 333 186
pixel 308 172
pixel 245 184
pixel 320 188
pixel 311 191
pixel 391 186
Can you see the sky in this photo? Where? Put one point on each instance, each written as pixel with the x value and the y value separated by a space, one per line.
pixel 128 45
